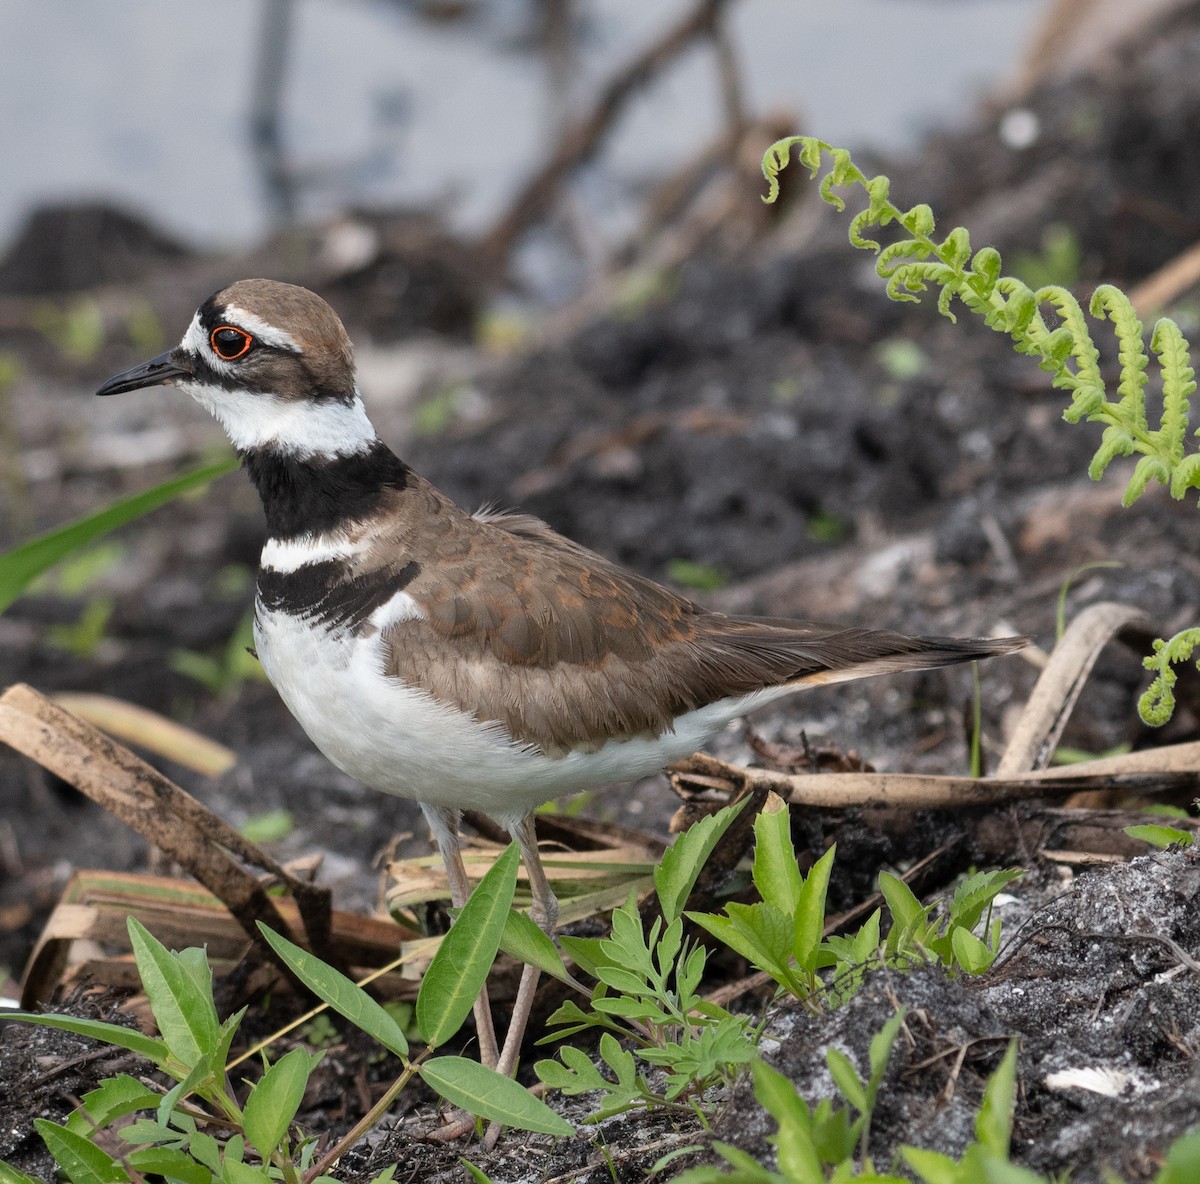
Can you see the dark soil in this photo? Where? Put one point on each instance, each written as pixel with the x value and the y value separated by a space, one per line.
pixel 754 422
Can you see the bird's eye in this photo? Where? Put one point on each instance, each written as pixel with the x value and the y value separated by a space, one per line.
pixel 230 343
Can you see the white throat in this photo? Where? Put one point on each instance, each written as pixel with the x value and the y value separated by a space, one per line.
pixel 302 428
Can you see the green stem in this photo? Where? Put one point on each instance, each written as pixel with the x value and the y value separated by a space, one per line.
pixel 367 1122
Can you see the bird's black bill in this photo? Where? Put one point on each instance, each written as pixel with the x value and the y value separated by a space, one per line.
pixel 155 372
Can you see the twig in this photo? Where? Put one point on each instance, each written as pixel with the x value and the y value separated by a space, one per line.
pixel 581 140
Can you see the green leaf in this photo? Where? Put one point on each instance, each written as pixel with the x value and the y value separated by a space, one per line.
pixel 78 1156
pixel 845 1077
pixel 1160 836
pixel 776 872
pixel 932 1166
pixel 675 875
pixel 180 995
pixel 11 1175
pixel 1183 1161
pixel 905 908
pixel 347 998
pixel 477 1174
pixel 273 1102
pixel 235 1172
pixel 880 1052
pixel 148 1046
pixel 761 934
pixel 809 919
pixel 585 952
pixel 798 1158
pixel 488 1094
pixel 146 1130
pixel 463 961
pixel 113 1098
pixel 970 953
pixel 993 1123
pixel 523 940
pixel 22 565
pixel 170 1163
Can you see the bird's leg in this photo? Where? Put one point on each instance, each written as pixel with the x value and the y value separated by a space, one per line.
pixel 544 913
pixel 544 910
pixel 444 825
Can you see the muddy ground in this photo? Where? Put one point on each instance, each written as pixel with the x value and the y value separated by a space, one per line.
pixel 816 451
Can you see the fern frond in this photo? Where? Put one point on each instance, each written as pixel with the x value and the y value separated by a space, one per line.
pixel 1149 468
pixel 1185 475
pixel 1179 384
pixel 1065 350
pixel 1113 303
pixel 1158 702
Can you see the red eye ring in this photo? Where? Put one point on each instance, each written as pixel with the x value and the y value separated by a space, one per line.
pixel 230 343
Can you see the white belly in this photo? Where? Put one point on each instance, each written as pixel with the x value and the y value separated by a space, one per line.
pixel 400 740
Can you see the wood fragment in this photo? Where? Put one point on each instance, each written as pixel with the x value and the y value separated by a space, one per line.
pixel 164 814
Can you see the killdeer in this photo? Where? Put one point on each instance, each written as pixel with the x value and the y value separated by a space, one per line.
pixel 464 660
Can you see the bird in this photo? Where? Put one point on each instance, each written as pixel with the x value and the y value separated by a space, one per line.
pixel 468 660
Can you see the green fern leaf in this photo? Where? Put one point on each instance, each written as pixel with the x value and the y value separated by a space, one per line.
pixel 1179 384
pixel 1185 475
pixel 1115 442
pixel 1149 468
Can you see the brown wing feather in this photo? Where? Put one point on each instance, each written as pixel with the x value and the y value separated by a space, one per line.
pixel 559 645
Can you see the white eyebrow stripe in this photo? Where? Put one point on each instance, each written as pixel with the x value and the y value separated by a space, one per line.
pixel 195 342
pixel 257 327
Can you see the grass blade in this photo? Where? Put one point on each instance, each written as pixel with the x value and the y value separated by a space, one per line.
pixel 22 565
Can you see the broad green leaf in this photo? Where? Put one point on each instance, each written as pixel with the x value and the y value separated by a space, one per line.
pixel 204 1070
pixel 993 1123
pixel 809 919
pixel 969 952
pixel 905 908
pixel 523 940
pixel 180 996
pixel 461 965
pixel 346 997
pixel 79 1157
pixel 845 1077
pixel 170 1163
pixel 585 952
pixel 206 1149
pixel 798 1158
pixel 273 1102
pixel 148 1046
pixel 22 565
pixel 488 1094
pixel 1160 836
pixel 978 1163
pixel 11 1175
pixel 235 1172
pixel 675 875
pixel 113 1098
pixel 932 1166
pixel 1183 1161
pixel 776 872
pixel 976 893
pixel 146 1130
pixel 762 936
